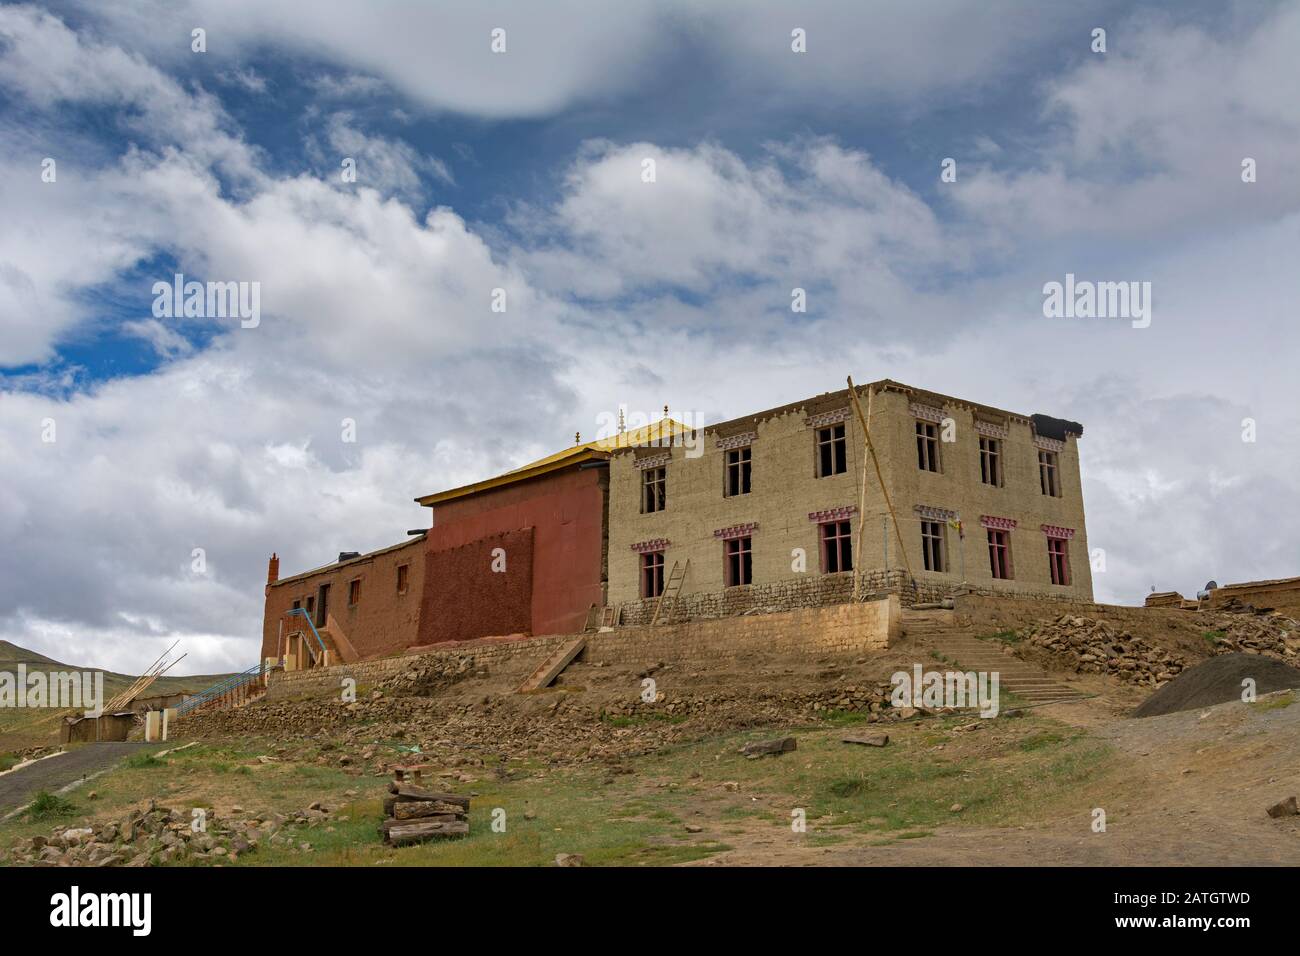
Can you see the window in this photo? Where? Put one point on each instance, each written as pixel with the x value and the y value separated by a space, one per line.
pixel 738 465
pixel 1058 561
pixel 1049 476
pixel 403 578
pixel 311 606
pixel 297 604
pixel 322 605
pixel 927 446
pixel 354 592
pixel 837 546
pixel 932 549
pixel 740 562
pixel 991 462
pixel 1000 553
pixel 654 489
pixel 832 451
pixel 652 574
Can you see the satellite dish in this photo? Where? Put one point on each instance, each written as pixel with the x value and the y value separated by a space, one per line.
pixel 1211 586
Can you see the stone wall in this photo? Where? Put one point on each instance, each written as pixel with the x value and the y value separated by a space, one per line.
pixel 840 629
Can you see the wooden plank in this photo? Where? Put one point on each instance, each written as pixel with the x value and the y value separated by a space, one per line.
pixel 425 830
pixel 553 666
pixel 415 793
pixel 413 809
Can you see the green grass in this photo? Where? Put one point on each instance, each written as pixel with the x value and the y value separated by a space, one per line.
pixel 1010 772
pixel 8 762
pixel 1277 702
pixel 46 806
pixel 1213 637
pixel 1006 637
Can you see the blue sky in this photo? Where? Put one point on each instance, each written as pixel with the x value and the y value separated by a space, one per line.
pixel 520 171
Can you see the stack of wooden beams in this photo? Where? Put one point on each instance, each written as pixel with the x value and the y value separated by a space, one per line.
pixel 416 814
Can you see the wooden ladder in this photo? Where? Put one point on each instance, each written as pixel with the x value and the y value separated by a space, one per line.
pixel 672 588
pixel 550 668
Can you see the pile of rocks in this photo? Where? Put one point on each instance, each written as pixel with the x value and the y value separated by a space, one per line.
pixel 161 835
pixel 430 675
pixel 1090 645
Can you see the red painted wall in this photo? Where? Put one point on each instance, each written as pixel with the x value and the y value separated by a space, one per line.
pixel 464 598
pixel 566 512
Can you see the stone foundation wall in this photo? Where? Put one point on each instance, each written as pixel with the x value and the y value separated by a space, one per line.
pixel 823 590
pixel 840 629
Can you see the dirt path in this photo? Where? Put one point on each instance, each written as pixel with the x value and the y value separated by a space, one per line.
pixel 53 773
pixel 1190 790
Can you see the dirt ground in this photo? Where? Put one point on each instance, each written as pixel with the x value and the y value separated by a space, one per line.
pixel 590 766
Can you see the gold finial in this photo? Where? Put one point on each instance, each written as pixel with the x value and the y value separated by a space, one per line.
pixel 665 411
pixel 577 438
pixel 622 424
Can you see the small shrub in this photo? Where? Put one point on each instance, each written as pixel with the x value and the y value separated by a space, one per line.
pixel 49 806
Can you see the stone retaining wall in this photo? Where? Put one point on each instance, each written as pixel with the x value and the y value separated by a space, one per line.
pixel 839 629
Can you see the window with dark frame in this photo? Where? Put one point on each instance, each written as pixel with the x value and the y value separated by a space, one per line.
pixel 832 451
pixel 354 592
pixel 654 489
pixel 1049 476
pixel 991 461
pixel 1058 561
pixel 927 446
pixel 652 574
pixel 837 546
pixel 403 578
pixel 740 562
pixel 738 471
pixel 1000 553
pixel 932 549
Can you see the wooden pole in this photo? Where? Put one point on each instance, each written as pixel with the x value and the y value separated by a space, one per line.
pixel 862 513
pixel 902 551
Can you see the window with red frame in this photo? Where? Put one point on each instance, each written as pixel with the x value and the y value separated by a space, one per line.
pixel 837 547
pixel 1058 560
pixel 652 574
pixel 740 562
pixel 1000 553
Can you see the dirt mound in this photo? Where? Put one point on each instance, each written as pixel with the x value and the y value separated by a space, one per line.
pixel 1217 681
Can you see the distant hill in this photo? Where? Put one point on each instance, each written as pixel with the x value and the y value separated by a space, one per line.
pixel 26 728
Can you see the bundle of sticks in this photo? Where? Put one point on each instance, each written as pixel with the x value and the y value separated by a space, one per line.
pixel 416 814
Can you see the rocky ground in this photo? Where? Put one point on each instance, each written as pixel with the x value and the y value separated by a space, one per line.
pixel 160 835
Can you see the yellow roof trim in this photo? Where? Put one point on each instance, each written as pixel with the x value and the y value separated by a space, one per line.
pixel 599 450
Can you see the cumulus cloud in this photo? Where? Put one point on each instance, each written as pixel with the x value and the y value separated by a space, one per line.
pixel 376 307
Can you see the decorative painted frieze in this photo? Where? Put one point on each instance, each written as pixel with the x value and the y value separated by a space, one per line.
pixel 1055 531
pixel 653 461
pixel 654 544
pixel 833 514
pixel 736 531
pixel 828 418
pixel 928 413
pixel 737 441
pixel 989 430
pixel 998 524
pixel 1048 444
pixel 934 514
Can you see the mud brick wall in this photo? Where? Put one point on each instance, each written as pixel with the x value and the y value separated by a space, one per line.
pixel 465 598
pixel 841 629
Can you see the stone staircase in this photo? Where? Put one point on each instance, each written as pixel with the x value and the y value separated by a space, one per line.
pixel 959 645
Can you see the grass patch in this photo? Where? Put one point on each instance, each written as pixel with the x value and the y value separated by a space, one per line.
pixel 1213 637
pixel 46 806
pixel 1277 702
pixel 142 761
pixel 8 762
pixel 1006 637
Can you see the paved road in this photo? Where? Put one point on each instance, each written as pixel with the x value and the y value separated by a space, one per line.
pixel 19 786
